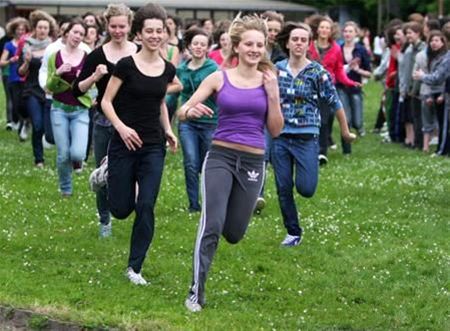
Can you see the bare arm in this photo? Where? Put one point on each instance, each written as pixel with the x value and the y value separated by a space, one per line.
pixel 345 132
pixel 23 69
pixel 275 119
pixel 175 86
pixel 165 123
pixel 128 135
pixel 4 59
pixel 194 108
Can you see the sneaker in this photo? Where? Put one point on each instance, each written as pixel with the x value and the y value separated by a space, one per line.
pixel 23 131
pixel 77 167
pixel 291 240
pixel 361 132
pixel 333 147
pixel 193 307
pixel 323 160
pixel 105 230
pixel 135 278
pixel 15 126
pixel 45 143
pixel 434 141
pixel 9 126
pixel 99 176
pixel 39 165
pixel 260 204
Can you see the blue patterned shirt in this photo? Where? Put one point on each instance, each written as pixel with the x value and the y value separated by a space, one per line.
pixel 300 97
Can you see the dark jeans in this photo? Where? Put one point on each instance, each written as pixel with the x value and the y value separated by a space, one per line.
pixel 443 147
pixel 125 169
pixel 301 153
pixel 48 122
pixel 8 101
pixel 18 104
pixel 36 110
pixel 91 133
pixel 195 141
pixel 326 117
pixel 416 108
pixel 102 136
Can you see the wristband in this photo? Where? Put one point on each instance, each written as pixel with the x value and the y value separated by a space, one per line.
pixel 186 113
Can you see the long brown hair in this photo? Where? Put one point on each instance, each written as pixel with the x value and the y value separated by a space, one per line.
pixel 431 55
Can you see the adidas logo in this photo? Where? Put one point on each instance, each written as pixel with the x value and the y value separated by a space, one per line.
pixel 253 176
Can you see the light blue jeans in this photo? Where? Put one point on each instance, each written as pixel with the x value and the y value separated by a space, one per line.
pixel 195 141
pixel 353 107
pixel 70 130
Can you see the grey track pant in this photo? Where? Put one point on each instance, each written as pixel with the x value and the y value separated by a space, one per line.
pixel 231 181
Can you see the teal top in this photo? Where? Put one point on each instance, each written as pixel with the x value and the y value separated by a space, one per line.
pixel 191 80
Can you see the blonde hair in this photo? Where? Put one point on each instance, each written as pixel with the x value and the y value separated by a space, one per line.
pixel 118 9
pixel 244 24
pixel 352 24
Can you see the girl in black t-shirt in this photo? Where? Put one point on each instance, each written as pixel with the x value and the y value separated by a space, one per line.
pixel 134 103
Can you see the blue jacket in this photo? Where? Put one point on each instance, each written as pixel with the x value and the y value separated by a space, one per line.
pixel 360 53
pixel 300 97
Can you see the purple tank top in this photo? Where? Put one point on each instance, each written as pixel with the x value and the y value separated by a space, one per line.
pixel 67 97
pixel 242 114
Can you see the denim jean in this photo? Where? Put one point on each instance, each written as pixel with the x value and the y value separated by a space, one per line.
pixel 324 136
pixel 195 141
pixel 102 136
pixel 126 168
pixel 70 130
pixel 36 109
pixel 301 153
pixel 8 101
pixel 48 122
pixel 353 108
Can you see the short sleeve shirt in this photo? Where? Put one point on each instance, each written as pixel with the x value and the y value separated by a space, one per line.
pixel 138 101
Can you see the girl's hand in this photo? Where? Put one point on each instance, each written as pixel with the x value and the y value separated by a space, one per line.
pixel 65 67
pixel 172 140
pixel 429 101
pixel 198 111
pixel 129 137
pixel 349 137
pixel 418 74
pixel 440 99
pixel 270 82
pixel 13 59
pixel 27 57
pixel 100 71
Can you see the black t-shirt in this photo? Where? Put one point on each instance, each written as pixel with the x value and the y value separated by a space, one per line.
pixel 96 57
pixel 138 101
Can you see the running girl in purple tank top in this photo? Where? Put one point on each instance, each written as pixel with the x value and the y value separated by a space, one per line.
pixel 248 99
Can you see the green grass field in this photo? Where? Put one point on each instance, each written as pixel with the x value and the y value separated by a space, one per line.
pixel 375 254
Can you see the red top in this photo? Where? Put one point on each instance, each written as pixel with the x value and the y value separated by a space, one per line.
pixel 216 55
pixel 332 61
pixel 392 68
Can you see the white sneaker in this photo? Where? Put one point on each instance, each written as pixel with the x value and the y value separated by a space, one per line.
pixel 45 143
pixel 135 278
pixel 434 141
pixel 291 240
pixel 323 160
pixel 99 177
pixel 193 307
pixel 23 134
